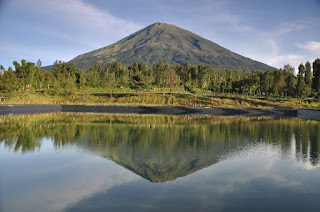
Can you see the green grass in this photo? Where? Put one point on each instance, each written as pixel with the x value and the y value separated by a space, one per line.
pixel 159 97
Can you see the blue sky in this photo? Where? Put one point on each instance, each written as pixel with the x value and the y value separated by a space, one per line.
pixel 274 32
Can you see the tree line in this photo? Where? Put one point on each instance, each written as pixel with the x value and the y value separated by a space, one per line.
pixel 65 78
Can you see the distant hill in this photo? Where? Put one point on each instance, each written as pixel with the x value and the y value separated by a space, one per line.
pixel 172 45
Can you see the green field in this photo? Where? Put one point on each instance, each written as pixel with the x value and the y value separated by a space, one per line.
pixel 160 97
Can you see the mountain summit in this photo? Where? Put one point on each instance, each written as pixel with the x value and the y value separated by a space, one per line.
pixel 172 45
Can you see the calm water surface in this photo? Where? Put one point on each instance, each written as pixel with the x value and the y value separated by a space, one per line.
pixel 97 162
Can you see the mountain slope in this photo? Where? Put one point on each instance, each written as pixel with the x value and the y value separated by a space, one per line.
pixel 172 45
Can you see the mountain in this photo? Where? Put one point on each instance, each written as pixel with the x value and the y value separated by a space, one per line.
pixel 172 45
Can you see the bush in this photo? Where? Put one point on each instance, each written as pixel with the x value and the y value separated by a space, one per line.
pixel 189 87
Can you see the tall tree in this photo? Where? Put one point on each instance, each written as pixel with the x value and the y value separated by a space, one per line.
pixel 159 69
pixel 171 78
pixel 8 81
pixel 308 78
pixel 93 78
pixel 316 76
pixel 31 70
pixel 279 82
pixel 288 69
pixel 291 84
pixel 301 85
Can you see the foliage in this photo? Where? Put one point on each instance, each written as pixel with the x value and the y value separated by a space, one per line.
pixel 301 86
pixel 316 76
pixel 67 80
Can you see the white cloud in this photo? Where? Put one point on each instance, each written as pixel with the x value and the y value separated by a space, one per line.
pixel 69 27
pixel 312 47
pixel 268 45
pixel 280 60
pixel 276 51
pixel 81 15
pixel 87 16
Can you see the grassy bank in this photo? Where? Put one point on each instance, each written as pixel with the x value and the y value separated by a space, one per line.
pixel 159 97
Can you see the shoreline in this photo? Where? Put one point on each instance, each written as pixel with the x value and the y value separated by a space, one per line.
pixel 165 110
pixel 160 110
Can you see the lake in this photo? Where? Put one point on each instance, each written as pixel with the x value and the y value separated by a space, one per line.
pixel 101 162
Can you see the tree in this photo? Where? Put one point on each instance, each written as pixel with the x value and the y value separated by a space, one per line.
pixel 171 78
pixel 144 69
pixel 20 72
pixel 93 77
pixel 158 70
pixel 288 69
pixel 203 76
pixel 316 76
pixel 301 85
pixel 266 82
pixel 184 72
pixel 30 70
pixel 65 78
pixel 138 82
pixel 39 78
pixel 279 82
pixel 39 63
pixel 308 78
pixel 291 84
pixel 8 81
pixel 25 72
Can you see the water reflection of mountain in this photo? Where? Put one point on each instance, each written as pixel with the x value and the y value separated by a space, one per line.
pixel 162 148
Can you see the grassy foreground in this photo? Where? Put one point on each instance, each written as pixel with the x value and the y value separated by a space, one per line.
pixel 159 97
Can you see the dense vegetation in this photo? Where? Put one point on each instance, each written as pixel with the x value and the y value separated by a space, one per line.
pixel 172 45
pixel 161 148
pixel 66 78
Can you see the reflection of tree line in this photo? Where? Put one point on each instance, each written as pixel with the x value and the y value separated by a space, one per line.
pixel 161 148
